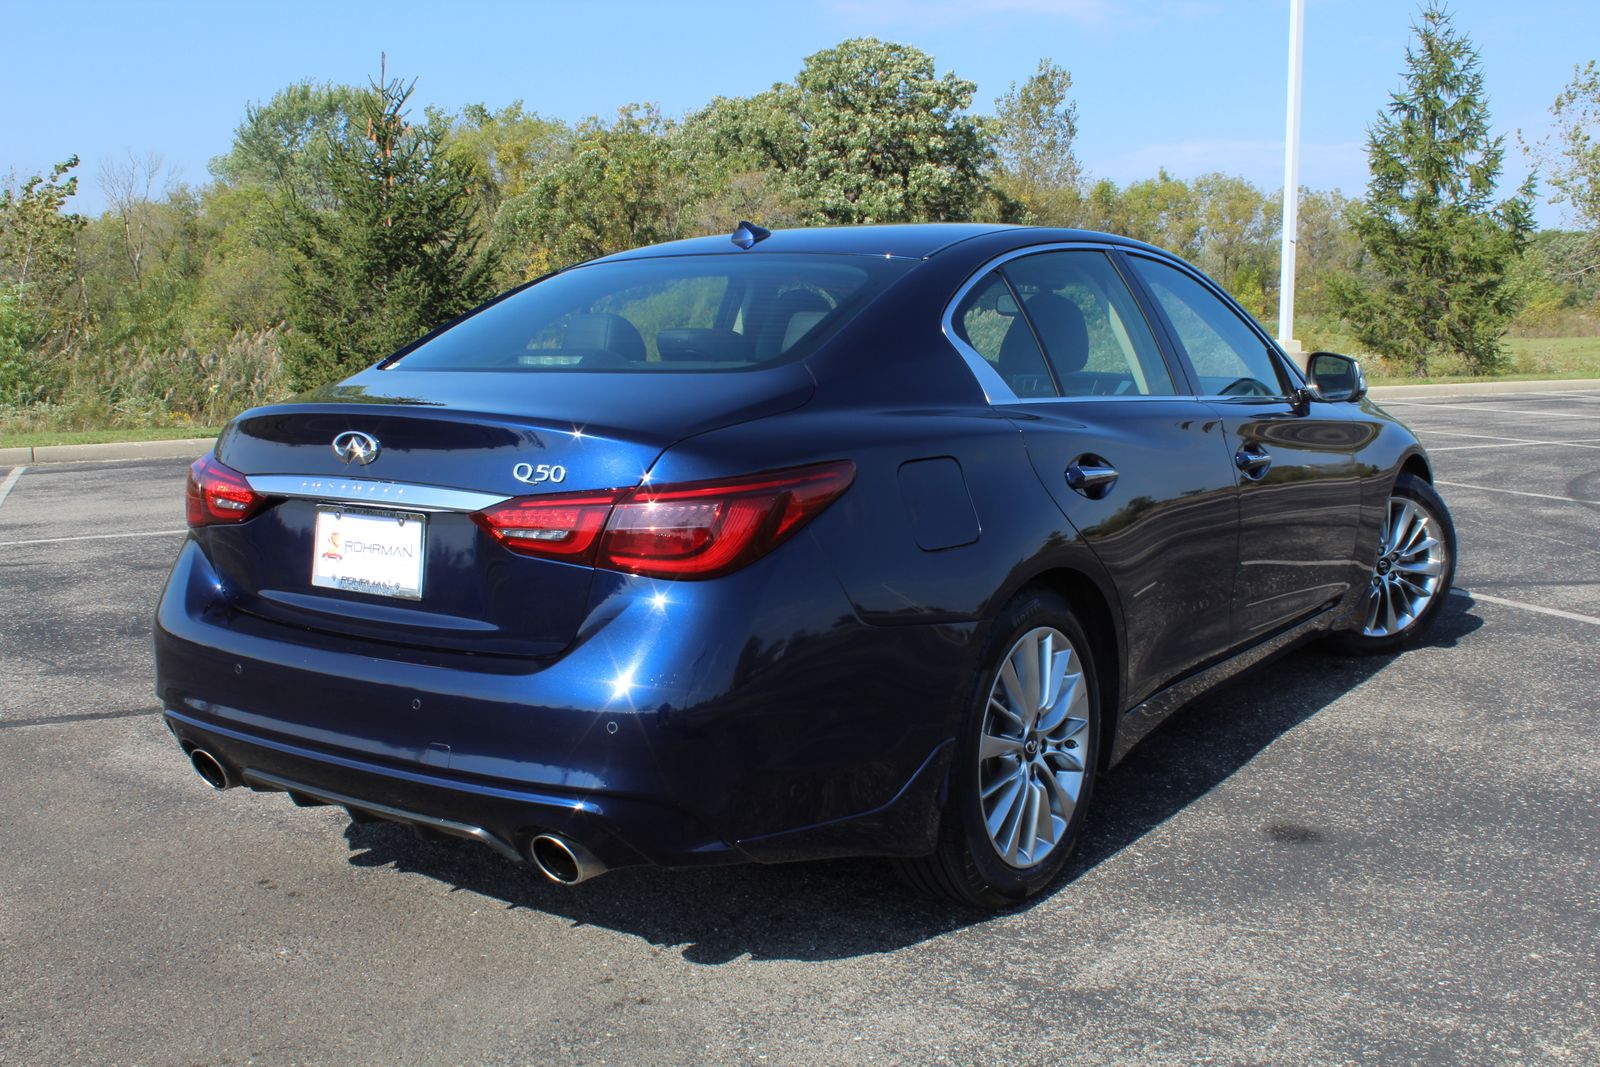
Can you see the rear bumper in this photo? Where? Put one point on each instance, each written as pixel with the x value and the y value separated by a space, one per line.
pixel 619 831
pixel 748 719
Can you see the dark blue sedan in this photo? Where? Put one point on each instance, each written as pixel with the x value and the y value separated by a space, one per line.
pixel 865 541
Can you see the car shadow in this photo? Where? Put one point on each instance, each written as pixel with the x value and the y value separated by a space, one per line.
pixel 844 908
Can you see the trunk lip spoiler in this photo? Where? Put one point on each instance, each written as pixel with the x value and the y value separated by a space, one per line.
pixel 372 491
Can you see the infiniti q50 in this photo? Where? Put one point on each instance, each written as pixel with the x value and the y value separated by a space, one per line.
pixel 856 541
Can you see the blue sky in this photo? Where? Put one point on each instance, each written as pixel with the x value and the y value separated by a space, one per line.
pixel 1187 84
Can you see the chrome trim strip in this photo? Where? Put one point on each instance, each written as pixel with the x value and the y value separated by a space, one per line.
pixel 367 491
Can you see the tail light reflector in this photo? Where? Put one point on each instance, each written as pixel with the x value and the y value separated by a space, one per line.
pixel 689 530
pixel 565 527
pixel 218 495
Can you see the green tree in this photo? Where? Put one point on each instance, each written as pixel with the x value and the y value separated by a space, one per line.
pixel 283 144
pixel 1572 163
pixel 1163 211
pixel 732 150
pixel 396 253
pixel 1437 251
pixel 40 309
pixel 1238 241
pixel 512 148
pixel 623 185
pixel 867 132
pixel 1034 127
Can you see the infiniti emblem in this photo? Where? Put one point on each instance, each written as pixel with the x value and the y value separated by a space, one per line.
pixel 356 447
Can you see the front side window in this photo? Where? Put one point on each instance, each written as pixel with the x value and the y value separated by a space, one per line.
pixel 1229 357
pixel 1097 339
pixel 673 313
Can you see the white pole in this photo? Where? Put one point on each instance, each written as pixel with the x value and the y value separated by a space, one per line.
pixel 1291 180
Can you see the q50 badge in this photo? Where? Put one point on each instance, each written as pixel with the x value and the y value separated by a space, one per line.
pixel 534 474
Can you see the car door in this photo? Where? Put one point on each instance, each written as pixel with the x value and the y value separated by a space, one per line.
pixel 1140 470
pixel 1296 459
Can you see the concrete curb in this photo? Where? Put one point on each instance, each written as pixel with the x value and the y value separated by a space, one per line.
pixel 1401 392
pixel 182 448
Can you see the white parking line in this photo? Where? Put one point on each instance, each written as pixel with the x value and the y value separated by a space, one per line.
pixel 90 537
pixel 1467 402
pixel 1517 492
pixel 1582 442
pixel 1557 612
pixel 1474 409
pixel 11 480
pixel 1494 444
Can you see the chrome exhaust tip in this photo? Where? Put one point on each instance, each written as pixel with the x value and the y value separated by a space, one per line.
pixel 563 862
pixel 211 769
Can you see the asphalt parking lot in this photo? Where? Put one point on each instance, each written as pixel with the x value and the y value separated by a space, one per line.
pixel 1335 860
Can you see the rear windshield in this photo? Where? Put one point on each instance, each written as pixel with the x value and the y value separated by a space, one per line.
pixel 683 313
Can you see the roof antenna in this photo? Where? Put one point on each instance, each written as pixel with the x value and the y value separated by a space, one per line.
pixel 749 233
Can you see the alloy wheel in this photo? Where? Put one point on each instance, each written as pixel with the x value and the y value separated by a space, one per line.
pixel 1034 747
pixel 1411 563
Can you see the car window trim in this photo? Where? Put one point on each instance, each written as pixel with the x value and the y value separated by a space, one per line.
pixel 1287 371
pixel 994 387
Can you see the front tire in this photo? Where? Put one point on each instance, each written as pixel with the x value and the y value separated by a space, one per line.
pixel 1024 764
pixel 1411 576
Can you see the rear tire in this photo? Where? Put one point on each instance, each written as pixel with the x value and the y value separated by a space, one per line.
pixel 1024 763
pixel 1411 575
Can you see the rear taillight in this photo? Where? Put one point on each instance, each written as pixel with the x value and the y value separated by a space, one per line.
pixel 565 527
pixel 705 529
pixel 218 494
pixel 691 530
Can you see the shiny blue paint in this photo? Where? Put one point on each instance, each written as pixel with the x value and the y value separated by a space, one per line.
pixel 804 705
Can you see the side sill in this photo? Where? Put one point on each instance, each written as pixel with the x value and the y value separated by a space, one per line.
pixel 1137 722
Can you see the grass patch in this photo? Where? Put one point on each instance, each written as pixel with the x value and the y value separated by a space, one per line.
pixel 1528 359
pixel 35 438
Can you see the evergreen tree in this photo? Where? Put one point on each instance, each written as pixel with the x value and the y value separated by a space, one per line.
pixel 398 251
pixel 1437 251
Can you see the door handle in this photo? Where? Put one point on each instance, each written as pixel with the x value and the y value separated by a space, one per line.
pixel 1091 476
pixel 1254 461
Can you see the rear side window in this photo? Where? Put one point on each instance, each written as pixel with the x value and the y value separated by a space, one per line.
pixel 1228 356
pixel 990 321
pixel 1093 331
pixel 679 313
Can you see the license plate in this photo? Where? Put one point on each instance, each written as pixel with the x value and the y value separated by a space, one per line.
pixel 364 551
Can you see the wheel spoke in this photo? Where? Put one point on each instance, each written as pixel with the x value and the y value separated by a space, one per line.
pixel 1071 758
pixel 1014 689
pixel 1066 795
pixel 992 745
pixel 1000 814
pixel 1028 825
pixel 1044 827
pixel 1000 783
pixel 998 706
pixel 1027 669
pixel 1400 528
pixel 1055 668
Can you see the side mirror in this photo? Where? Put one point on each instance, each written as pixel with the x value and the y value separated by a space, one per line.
pixel 1337 379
